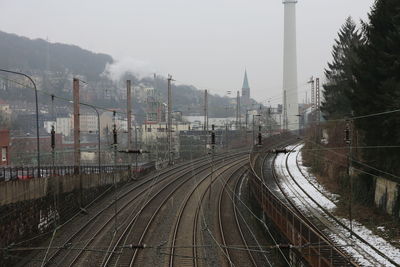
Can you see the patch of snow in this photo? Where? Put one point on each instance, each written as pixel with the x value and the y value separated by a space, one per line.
pixel 361 252
pixel 381 228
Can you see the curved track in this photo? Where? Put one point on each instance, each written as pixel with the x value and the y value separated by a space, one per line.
pixel 98 229
pixel 324 220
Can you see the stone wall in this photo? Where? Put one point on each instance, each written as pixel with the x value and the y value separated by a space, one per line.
pixel 387 196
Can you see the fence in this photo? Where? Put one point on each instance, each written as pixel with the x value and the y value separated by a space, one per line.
pixel 24 173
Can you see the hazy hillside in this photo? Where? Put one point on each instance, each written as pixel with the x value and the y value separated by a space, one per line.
pixel 39 55
pixel 65 61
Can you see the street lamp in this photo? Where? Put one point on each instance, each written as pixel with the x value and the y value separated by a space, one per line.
pixel 37 114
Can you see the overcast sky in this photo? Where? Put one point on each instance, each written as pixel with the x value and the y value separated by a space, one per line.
pixel 207 43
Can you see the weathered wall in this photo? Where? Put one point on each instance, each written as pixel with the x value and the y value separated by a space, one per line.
pixel 30 208
pixel 387 196
pixel 22 190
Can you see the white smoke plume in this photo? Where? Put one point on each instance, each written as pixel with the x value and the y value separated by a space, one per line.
pixel 119 68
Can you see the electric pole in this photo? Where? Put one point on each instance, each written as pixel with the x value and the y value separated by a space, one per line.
pixel 285 115
pixel 170 156
pixel 129 118
pixel 348 141
pixel 77 151
pixel 212 161
pixel 238 122
pixel 115 144
pixel 318 110
pixel 205 121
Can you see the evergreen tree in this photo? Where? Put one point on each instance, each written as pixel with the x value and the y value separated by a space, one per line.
pixel 377 84
pixel 337 90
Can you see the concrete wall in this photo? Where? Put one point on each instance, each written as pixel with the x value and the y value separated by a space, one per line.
pixel 30 208
pixel 22 190
pixel 387 196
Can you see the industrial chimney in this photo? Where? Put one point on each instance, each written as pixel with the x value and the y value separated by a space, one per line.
pixel 290 101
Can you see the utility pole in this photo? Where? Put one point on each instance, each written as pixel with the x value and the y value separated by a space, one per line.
pixel 77 145
pixel 77 151
pixel 53 133
pixel 205 121
pixel 212 161
pixel 136 155
pixel 312 82
pixel 129 118
pixel 348 140
pixel 115 144
pixel 285 115
pixel 205 110
pixel 226 137
pixel 318 110
pixel 170 156
pixel 129 112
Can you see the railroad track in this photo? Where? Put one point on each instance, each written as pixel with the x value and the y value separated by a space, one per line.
pixel 77 244
pixel 184 245
pixel 146 225
pixel 227 205
pixel 332 253
pixel 324 220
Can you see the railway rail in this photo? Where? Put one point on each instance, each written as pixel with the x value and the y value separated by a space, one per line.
pixel 306 240
pixel 171 213
pixel 70 245
pixel 323 220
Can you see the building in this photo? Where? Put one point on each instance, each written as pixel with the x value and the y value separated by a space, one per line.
pixel 155 109
pixel 245 101
pixel 88 123
pixel 64 126
pixel 4 147
pixel 5 110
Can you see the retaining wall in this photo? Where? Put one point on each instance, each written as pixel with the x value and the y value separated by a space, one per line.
pixel 30 208
pixel 387 196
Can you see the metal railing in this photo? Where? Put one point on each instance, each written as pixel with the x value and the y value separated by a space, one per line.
pixel 25 173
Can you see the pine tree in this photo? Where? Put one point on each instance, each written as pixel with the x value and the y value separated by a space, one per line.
pixel 337 90
pixel 377 84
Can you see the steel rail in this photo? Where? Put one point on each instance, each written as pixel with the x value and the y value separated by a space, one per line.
pixel 235 208
pixel 330 215
pixel 232 196
pixel 307 220
pixel 108 259
pixel 196 219
pixel 290 209
pixel 150 178
pixel 185 206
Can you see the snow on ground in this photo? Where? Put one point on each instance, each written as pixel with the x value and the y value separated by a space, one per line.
pixel 313 180
pixel 280 164
pixel 375 240
pixel 348 244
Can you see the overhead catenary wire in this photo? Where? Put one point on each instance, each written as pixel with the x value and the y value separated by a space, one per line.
pixel 124 113
pixel 355 160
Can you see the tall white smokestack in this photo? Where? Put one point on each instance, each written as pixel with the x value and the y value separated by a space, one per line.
pixel 291 106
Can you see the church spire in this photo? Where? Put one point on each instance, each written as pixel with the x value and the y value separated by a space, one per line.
pixel 245 81
pixel 245 90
